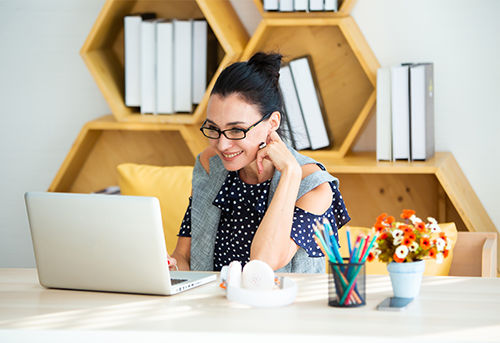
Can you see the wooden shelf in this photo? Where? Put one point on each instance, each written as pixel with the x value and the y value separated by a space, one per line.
pixel 104 143
pixel 103 50
pixel 435 188
pixel 346 72
pixel 344 64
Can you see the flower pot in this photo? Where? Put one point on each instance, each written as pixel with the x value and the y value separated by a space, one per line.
pixel 406 278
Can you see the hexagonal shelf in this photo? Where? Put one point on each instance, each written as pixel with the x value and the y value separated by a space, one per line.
pixel 104 143
pixel 104 54
pixel 344 8
pixel 345 68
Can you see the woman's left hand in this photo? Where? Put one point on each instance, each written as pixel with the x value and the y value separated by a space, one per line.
pixel 277 152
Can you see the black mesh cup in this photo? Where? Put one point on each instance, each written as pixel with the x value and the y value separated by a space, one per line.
pixel 346 284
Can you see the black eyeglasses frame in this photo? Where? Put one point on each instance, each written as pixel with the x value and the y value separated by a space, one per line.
pixel 224 131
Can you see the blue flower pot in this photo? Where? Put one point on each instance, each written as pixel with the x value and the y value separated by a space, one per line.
pixel 406 278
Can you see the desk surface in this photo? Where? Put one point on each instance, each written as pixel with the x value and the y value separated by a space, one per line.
pixel 448 309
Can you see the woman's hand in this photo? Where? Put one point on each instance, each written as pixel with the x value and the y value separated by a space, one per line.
pixel 172 263
pixel 277 152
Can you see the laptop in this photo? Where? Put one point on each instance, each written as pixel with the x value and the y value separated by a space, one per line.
pixel 110 243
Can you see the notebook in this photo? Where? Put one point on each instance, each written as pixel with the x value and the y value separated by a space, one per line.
pixel 110 243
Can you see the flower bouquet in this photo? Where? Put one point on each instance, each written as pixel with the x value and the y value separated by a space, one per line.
pixel 404 246
pixel 409 241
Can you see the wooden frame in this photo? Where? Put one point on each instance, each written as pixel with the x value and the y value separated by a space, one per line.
pixel 345 68
pixel 104 143
pixel 103 49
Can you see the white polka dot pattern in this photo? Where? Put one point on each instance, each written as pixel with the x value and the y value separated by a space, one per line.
pixel 242 209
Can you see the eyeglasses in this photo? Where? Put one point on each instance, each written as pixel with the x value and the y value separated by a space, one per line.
pixel 232 134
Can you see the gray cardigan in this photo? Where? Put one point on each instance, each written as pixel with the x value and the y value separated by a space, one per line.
pixel 205 216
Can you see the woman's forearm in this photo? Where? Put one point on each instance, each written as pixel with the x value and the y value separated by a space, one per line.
pixel 182 253
pixel 272 243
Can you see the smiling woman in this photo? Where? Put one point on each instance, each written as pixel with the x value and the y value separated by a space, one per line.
pixel 254 197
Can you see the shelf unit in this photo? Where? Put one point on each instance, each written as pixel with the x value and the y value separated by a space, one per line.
pixel 104 143
pixel 346 70
pixel 103 50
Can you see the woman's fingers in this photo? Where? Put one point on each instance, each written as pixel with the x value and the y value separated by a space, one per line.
pixel 275 151
pixel 172 263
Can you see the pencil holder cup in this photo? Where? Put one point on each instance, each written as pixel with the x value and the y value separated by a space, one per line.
pixel 346 284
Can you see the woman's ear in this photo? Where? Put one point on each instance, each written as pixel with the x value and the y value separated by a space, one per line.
pixel 275 120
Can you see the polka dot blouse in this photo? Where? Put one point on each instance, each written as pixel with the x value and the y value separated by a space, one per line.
pixel 242 208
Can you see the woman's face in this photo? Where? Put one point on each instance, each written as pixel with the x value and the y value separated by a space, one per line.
pixel 234 113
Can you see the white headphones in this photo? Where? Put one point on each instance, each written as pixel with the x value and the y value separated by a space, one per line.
pixel 256 285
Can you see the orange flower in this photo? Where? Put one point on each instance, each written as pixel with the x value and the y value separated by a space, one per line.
pixel 382 236
pixel 442 235
pixel 425 243
pixel 420 226
pixel 407 214
pixel 446 253
pixel 397 259
pixel 371 256
pixel 381 217
pixel 379 227
pixel 407 241
pixel 432 253
pixel 410 235
pixel 405 228
pixel 389 220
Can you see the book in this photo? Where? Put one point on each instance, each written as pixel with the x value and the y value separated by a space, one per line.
pixel 384 117
pixel 148 66
pixel 310 102
pixel 183 35
pixel 301 5
pixel 270 5
pixel 164 67
pixel 286 132
pixel 286 5
pixel 400 109
pixel 316 5
pixel 293 112
pixel 422 111
pixel 132 52
pixel 199 60
pixel 331 5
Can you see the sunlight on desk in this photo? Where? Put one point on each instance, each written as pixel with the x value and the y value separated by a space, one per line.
pixel 448 309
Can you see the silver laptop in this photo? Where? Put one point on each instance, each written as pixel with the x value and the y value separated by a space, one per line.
pixel 111 243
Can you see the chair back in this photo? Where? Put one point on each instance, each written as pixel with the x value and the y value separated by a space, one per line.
pixel 475 254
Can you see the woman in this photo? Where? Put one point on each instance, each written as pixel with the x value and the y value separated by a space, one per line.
pixel 254 197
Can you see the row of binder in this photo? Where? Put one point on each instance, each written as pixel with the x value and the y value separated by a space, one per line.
pixel 165 63
pixel 300 5
pixel 405 112
pixel 303 106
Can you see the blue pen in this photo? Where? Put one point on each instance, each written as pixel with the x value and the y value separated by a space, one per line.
pixel 333 240
pixel 321 228
pixel 348 231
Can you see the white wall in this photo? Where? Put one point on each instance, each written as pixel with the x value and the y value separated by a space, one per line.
pixel 47 94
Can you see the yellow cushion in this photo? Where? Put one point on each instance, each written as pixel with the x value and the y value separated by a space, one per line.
pixel 172 187
pixel 380 268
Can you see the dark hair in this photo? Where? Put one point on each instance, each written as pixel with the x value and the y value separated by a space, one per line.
pixel 256 82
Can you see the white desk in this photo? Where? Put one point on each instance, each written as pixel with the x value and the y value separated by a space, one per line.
pixel 448 309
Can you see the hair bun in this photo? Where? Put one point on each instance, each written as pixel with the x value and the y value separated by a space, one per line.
pixel 268 64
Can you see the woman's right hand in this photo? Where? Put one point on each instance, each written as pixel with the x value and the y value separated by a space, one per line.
pixel 277 152
pixel 172 263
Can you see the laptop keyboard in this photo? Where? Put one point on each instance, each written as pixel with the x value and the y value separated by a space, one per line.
pixel 176 281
